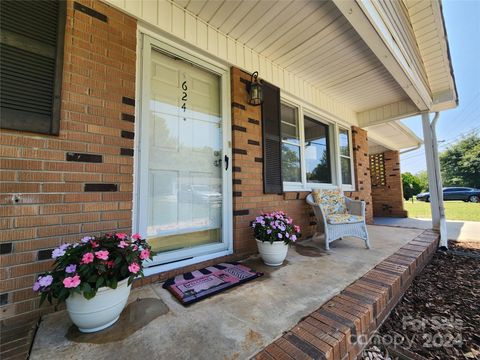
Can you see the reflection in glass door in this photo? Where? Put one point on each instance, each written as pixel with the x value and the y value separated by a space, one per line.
pixel 185 162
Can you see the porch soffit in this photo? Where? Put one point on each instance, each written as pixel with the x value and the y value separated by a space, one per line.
pixel 392 135
pixel 311 39
pixel 305 47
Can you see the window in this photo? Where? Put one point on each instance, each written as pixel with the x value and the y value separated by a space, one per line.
pixel 317 154
pixel 312 154
pixel 291 165
pixel 31 62
pixel 345 156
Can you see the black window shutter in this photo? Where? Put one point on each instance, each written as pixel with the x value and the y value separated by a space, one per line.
pixel 272 142
pixel 31 64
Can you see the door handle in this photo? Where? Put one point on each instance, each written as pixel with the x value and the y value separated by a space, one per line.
pixel 226 162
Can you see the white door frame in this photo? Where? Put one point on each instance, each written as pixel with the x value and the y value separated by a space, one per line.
pixel 175 259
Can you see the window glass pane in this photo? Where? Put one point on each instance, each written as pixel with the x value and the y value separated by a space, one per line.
pixel 291 163
pixel 289 124
pixel 317 158
pixel 344 142
pixel 346 171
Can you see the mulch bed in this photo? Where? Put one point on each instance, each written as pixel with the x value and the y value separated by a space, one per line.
pixel 439 315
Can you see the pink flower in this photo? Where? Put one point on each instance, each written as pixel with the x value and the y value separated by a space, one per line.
pixel 133 268
pixel 109 264
pixel 72 282
pixel 87 258
pixel 122 236
pixel 136 236
pixel 135 247
pixel 297 228
pixel 102 255
pixel 144 254
pixel 94 244
pixel 122 244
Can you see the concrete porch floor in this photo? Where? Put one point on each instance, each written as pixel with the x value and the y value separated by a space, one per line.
pixel 234 324
pixel 456 230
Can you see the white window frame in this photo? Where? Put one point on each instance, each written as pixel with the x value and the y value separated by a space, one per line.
pixel 304 109
pixel 301 136
pixel 345 187
pixel 145 37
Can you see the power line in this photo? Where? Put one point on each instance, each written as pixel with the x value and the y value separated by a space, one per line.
pixel 451 141
pixel 471 102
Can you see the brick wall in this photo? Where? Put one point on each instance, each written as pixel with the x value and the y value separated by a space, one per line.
pixel 55 188
pixel 361 164
pixel 249 199
pixel 388 199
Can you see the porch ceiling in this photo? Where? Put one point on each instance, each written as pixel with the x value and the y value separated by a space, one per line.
pixel 311 39
pixel 392 135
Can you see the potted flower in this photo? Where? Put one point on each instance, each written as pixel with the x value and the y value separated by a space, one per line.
pixel 94 277
pixel 274 232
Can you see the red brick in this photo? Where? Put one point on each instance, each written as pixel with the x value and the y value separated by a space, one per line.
pixel 30 221
pixel 58 230
pixel 37 176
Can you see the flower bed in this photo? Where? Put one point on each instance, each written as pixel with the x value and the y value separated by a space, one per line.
pixel 439 316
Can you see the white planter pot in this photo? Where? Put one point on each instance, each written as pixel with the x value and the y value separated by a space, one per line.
pixel 101 311
pixel 273 254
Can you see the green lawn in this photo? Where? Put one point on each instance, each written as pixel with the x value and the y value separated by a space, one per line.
pixel 454 210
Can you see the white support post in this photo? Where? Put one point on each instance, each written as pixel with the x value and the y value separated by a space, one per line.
pixel 434 177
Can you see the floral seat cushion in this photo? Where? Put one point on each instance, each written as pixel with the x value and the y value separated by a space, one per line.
pixel 332 200
pixel 336 219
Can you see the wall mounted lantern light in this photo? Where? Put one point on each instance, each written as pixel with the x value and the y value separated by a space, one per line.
pixel 254 89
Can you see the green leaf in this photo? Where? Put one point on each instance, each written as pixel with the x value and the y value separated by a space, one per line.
pixel 86 287
pixel 100 282
pixel 113 283
pixel 89 294
pixel 43 297
pixel 124 270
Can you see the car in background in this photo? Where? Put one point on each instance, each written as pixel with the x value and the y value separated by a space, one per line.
pixel 455 193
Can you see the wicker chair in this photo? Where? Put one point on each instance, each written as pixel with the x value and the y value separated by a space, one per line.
pixel 339 220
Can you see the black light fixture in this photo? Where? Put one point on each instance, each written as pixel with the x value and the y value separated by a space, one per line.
pixel 254 89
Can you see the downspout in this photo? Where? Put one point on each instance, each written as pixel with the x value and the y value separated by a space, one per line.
pixel 439 187
pixel 435 179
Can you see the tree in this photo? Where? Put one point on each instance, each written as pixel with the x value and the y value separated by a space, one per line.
pixel 460 163
pixel 411 185
pixel 422 177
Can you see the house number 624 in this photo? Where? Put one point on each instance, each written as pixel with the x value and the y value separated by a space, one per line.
pixel 184 95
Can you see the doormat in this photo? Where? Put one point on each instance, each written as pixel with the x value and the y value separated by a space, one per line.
pixel 197 285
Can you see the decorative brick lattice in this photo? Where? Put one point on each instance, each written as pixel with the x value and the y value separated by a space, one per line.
pixel 387 195
pixel 377 170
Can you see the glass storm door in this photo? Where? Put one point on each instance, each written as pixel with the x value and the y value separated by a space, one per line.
pixel 184 169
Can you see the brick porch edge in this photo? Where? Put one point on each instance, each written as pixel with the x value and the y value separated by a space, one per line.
pixel 340 328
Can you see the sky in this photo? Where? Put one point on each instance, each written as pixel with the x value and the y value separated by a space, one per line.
pixel 463 30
